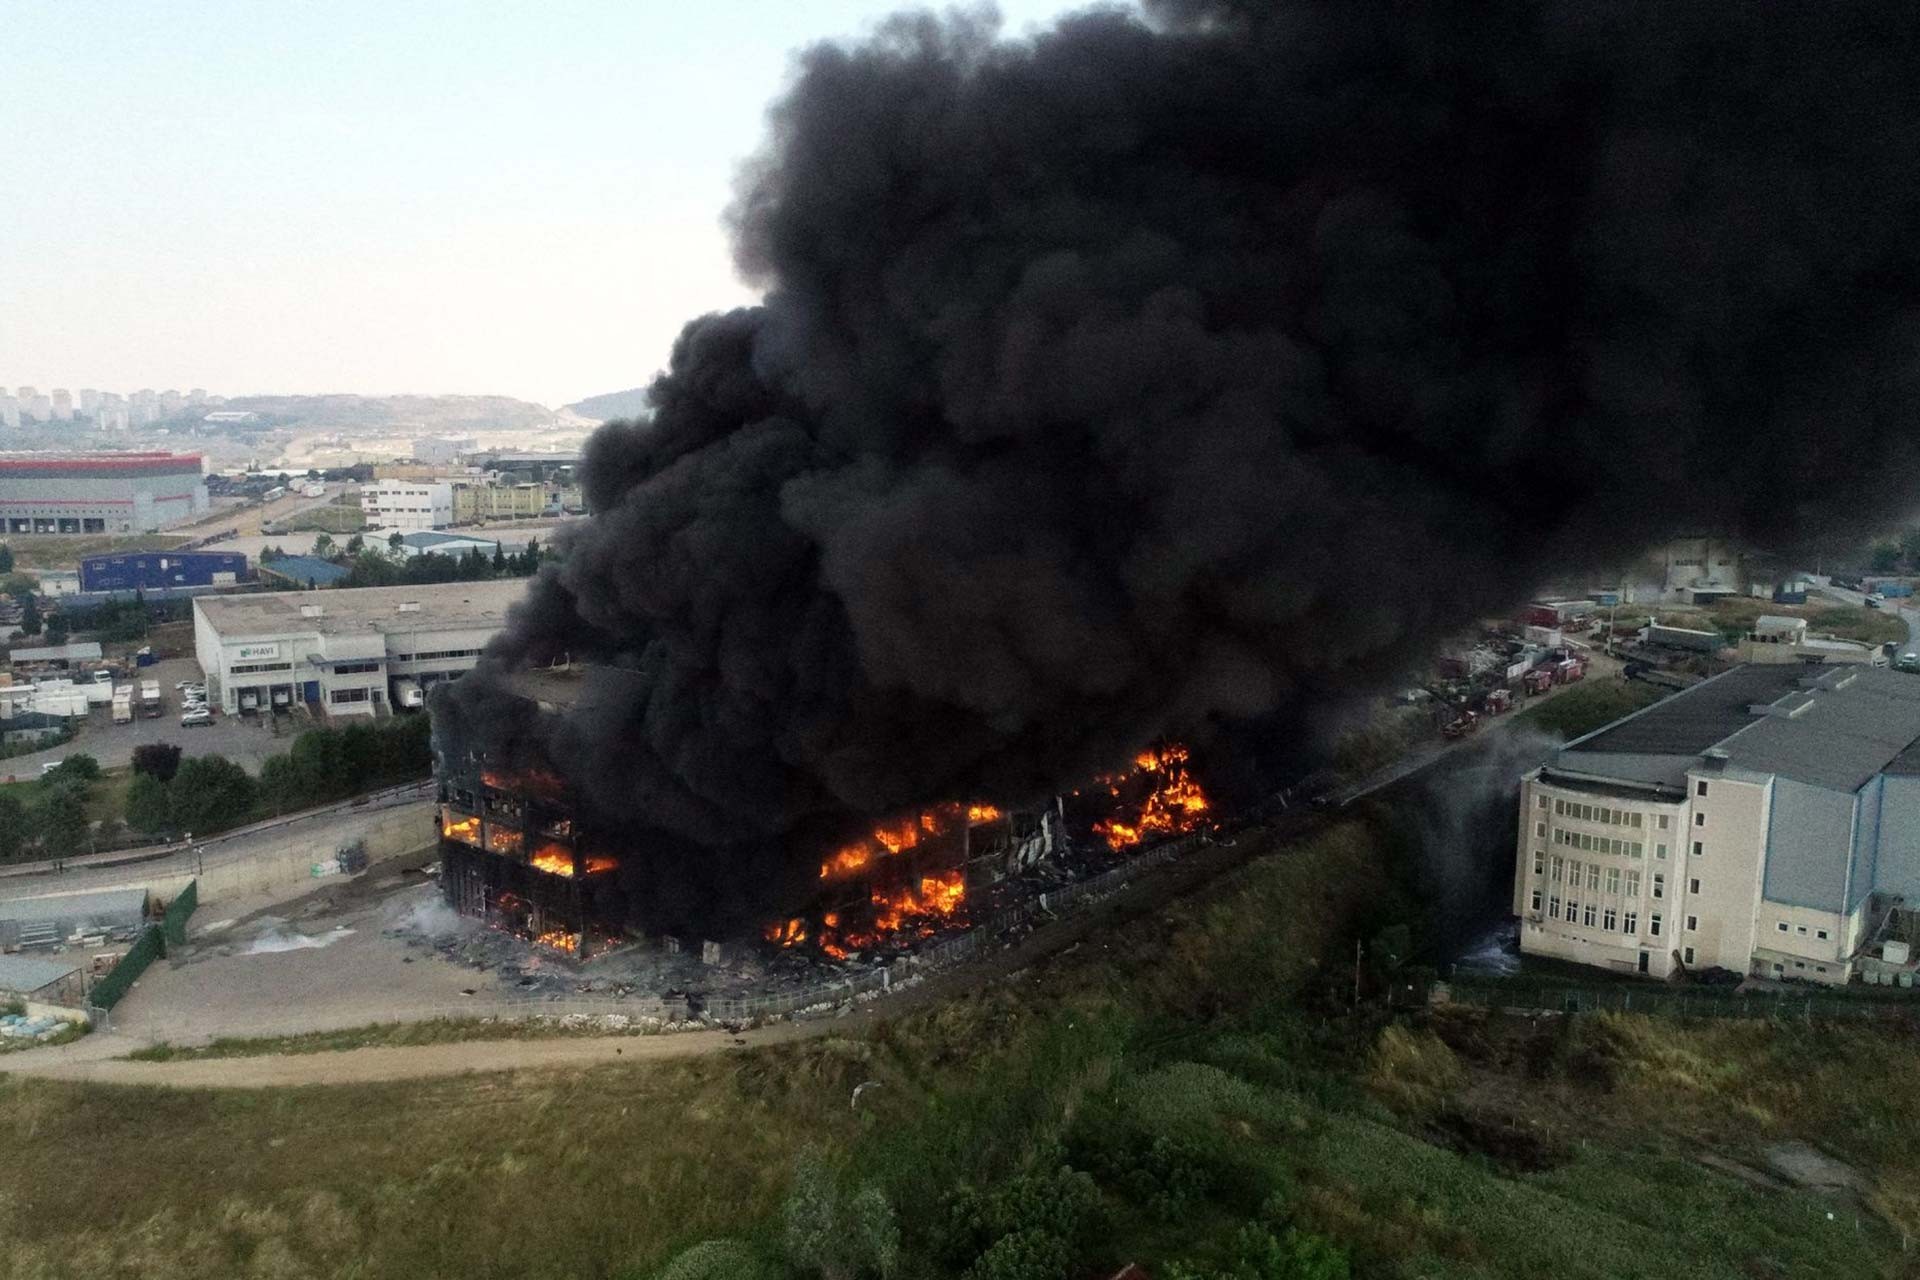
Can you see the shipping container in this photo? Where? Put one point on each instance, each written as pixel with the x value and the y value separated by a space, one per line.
pixel 1685 638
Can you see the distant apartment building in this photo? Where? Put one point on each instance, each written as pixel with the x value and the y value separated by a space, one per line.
pixel 405 504
pixel 25 396
pixel 89 401
pixel 1698 570
pixel 9 411
pixel 61 402
pixel 1766 821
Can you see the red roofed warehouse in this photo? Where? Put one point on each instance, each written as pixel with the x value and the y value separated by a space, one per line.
pixel 99 492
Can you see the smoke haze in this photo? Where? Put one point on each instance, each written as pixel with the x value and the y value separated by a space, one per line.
pixel 1179 374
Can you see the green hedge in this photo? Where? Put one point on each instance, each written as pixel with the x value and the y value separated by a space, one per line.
pixel 107 992
pixel 174 926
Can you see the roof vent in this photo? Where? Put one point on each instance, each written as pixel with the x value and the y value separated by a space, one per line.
pixel 311 610
pixel 409 606
pixel 1713 759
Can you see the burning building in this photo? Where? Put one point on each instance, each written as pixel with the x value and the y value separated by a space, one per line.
pixel 522 849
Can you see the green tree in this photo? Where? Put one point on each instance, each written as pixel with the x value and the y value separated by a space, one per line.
pixel 1885 557
pixel 209 794
pixel 30 616
pixel 61 821
pixel 356 544
pixel 78 767
pixel 149 806
pixel 323 546
pixel 834 1236
pixel 6 558
pixel 13 826
pixel 57 632
pixel 395 541
pixel 161 759
pixel 499 561
pixel 269 554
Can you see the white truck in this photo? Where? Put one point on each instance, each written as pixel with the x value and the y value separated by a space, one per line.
pixel 123 704
pixel 150 699
pixel 406 693
pixel 314 489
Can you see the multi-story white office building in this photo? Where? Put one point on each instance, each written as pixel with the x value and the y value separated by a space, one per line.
pixel 407 504
pixel 62 401
pixel 343 652
pixel 1765 821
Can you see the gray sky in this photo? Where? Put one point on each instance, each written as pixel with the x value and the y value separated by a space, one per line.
pixel 431 196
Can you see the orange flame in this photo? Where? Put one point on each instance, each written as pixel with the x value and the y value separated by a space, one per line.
pixel 916 911
pixel 559 940
pixel 1175 806
pixel 536 782
pixel 505 839
pixel 554 859
pixel 901 834
pixel 466 831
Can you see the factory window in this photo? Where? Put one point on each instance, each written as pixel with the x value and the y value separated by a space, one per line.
pixel 1540 830
pixel 347 695
pixel 1608 919
pixel 1699 819
pixel 1693 924
pixel 1700 788
pixel 1637 821
pixel 1536 899
pixel 256 667
pixel 1782 926
pixel 1820 934
pixel 1587 916
pixel 1630 923
pixel 1559 869
pixel 1542 802
pixel 1799 964
pixel 1553 906
pixel 354 668
pixel 1803 931
pixel 1539 862
pixel 1593 876
pixel 1819 968
pixel 1653 924
pixel 1693 885
pixel 1699 850
pixel 1660 852
pixel 1633 884
pixel 1687 957
pixel 1663 822
pixel 1659 885
pixel 1573 912
pixel 1613 881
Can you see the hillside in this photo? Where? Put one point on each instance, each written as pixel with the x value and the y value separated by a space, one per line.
pixel 614 404
pixel 429 413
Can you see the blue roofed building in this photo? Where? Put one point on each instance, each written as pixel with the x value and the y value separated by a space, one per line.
pixel 303 571
pixel 1766 821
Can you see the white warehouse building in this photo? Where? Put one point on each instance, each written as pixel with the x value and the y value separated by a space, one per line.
pixel 347 652
pixel 407 504
pixel 1766 821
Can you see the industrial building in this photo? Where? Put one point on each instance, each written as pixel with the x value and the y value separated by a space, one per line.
pixel 446 544
pixel 406 504
pixel 161 570
pixel 477 502
pixel 304 571
pixel 1766 821
pixel 99 492
pixel 41 981
pixel 519 852
pixel 339 652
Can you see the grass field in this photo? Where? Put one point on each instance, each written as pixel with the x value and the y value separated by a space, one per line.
pixel 323 519
pixel 1186 1088
pixel 1596 701
pixel 56 552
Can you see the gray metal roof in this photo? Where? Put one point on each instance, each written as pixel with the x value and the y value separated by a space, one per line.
pixel 1839 736
pixel 107 907
pixel 1690 721
pixel 27 973
pixel 83 651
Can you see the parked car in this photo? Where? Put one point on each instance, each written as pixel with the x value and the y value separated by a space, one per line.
pixel 195 717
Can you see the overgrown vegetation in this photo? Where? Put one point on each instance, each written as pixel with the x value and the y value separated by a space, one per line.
pixel 1190 1091
pixel 376 1035
pixel 1594 702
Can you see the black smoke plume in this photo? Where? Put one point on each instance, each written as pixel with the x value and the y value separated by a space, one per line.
pixel 1181 373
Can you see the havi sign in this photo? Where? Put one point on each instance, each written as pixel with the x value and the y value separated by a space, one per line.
pixel 248 651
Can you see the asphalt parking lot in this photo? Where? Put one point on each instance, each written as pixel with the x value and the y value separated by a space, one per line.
pixel 246 740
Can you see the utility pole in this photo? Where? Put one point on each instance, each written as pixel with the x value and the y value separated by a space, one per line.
pixel 1356 973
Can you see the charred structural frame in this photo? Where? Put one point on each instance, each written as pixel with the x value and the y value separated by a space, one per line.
pixel 517 852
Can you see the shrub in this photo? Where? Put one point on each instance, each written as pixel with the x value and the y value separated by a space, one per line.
pixel 1258 1254
pixel 1061 1202
pixel 210 793
pixel 1024 1255
pixel 158 759
pixel 835 1237
pixel 720 1260
pixel 78 767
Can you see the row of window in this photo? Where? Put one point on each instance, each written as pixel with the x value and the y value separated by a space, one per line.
pixel 1606 916
pixel 1570 872
pixel 254 668
pixel 1818 933
pixel 1601 813
pixel 430 657
pixel 349 695
pixel 354 668
pixel 1601 844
